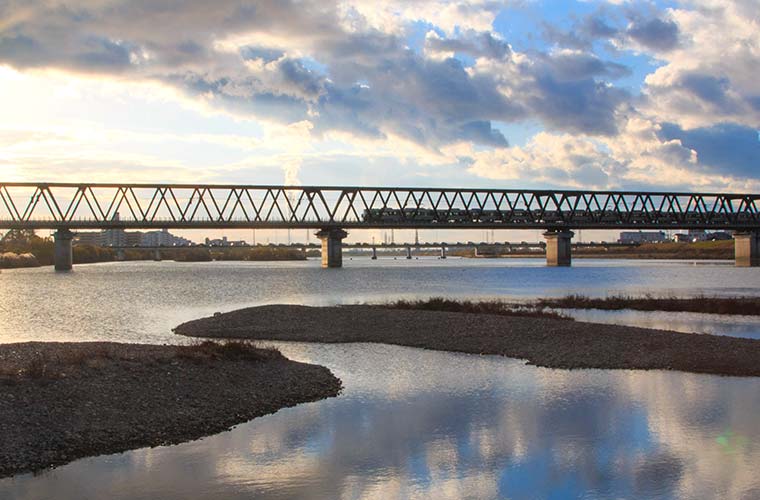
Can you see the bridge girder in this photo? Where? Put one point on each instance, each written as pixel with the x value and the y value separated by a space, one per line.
pixel 182 206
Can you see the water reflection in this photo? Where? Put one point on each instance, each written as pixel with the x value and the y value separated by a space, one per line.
pixel 142 301
pixel 420 424
pixel 413 423
pixel 713 324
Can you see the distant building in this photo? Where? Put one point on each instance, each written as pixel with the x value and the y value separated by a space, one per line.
pixel 121 238
pixel 163 238
pixel 224 242
pixel 631 237
pixel 682 238
pixel 700 235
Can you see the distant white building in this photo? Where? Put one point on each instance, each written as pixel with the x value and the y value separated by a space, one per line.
pixel 121 238
pixel 224 242
pixel 163 238
pixel 642 237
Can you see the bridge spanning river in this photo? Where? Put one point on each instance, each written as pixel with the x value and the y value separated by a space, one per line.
pixel 332 210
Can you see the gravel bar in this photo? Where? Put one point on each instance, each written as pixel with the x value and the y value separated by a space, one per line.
pixel 93 398
pixel 553 343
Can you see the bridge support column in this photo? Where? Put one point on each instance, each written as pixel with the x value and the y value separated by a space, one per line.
pixel 747 249
pixel 63 253
pixel 121 255
pixel 157 255
pixel 558 247
pixel 443 252
pixel 332 246
pixel 409 252
pixel 374 253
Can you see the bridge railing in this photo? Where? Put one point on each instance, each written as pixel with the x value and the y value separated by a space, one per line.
pixel 43 205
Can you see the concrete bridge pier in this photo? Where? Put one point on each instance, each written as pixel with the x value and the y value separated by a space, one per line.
pixel 332 246
pixel 747 248
pixel 157 255
pixel 374 253
pixel 409 252
pixel 63 253
pixel 558 247
pixel 443 252
pixel 121 255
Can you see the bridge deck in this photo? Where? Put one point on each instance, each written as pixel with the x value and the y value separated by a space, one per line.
pixel 154 206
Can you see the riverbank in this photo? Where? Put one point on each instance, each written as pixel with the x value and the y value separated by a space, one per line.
pixel 64 401
pixel 553 343
pixel 700 250
pixel 9 260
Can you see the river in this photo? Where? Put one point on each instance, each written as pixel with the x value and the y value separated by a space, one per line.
pixel 413 423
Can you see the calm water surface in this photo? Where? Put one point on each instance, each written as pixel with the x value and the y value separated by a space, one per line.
pixel 414 423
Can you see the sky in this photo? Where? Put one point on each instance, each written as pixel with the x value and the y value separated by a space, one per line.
pixel 477 93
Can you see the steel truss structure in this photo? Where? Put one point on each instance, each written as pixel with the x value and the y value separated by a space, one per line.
pixel 181 206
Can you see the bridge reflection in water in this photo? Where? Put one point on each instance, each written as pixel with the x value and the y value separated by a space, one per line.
pixel 331 210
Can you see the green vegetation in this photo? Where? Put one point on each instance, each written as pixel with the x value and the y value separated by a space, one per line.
pixel 702 304
pixel 499 307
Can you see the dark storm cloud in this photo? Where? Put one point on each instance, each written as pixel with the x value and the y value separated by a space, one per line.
pixel 369 82
pixel 726 148
pixel 654 34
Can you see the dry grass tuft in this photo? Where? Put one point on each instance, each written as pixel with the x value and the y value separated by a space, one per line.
pixel 498 307
pixel 230 350
pixel 700 304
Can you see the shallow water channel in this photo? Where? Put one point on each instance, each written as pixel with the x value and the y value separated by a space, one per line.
pixel 411 423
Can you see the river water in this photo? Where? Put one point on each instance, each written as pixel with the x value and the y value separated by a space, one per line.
pixel 412 423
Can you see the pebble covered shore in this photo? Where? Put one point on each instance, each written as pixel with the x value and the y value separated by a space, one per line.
pixel 63 401
pixel 553 343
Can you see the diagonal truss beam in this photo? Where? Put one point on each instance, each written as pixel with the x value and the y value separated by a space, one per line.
pixel 102 206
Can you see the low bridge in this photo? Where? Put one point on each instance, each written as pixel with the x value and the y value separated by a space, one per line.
pixel 442 248
pixel 331 210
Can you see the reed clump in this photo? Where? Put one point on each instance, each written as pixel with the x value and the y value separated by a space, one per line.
pixel 699 304
pixel 230 350
pixel 498 307
pixel 10 260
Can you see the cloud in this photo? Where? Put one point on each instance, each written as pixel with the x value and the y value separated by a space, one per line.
pixel 655 34
pixel 710 77
pixel 342 66
pixel 475 44
pixel 725 148
pixel 437 77
pixel 643 156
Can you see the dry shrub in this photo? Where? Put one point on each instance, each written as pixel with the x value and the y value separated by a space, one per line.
pixel 498 307
pixel 230 350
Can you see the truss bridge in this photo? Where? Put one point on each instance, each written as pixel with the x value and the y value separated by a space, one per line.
pixel 331 210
